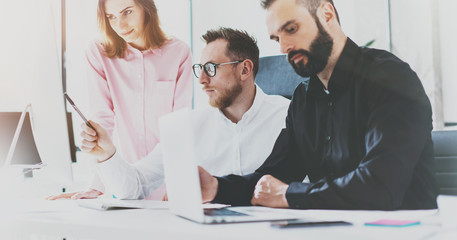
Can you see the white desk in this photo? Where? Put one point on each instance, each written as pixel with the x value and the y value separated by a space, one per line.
pixel 39 219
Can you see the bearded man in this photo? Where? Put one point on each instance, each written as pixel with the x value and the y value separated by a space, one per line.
pixel 361 131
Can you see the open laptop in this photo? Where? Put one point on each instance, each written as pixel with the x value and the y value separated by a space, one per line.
pixel 183 184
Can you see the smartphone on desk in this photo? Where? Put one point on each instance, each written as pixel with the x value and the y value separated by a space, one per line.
pixel 308 223
pixel 77 110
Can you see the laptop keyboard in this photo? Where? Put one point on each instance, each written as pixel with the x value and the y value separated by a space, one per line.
pixel 222 212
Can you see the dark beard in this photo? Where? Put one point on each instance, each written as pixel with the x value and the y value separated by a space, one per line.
pixel 318 56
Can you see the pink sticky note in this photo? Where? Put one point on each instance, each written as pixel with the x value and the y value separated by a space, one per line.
pixel 393 223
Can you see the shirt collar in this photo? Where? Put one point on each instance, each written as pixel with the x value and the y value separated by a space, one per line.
pixel 344 68
pixel 251 112
pixel 342 73
pixel 256 105
pixel 315 87
pixel 156 51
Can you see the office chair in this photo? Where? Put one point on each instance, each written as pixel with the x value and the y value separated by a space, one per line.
pixel 445 146
pixel 277 77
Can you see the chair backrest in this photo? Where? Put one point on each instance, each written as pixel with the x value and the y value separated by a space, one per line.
pixel 445 146
pixel 277 77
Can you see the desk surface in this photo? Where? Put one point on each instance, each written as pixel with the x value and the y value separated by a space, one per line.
pixel 39 219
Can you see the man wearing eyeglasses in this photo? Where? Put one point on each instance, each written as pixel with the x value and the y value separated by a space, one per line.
pixel 361 129
pixel 235 134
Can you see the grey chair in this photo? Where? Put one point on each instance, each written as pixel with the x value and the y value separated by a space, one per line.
pixel 277 77
pixel 445 146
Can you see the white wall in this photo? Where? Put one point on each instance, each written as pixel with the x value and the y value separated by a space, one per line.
pixel 448 40
pixel 412 23
pixel 249 15
pixel 363 21
pixel 17 46
pixel 424 35
pixel 81 29
pixel 175 18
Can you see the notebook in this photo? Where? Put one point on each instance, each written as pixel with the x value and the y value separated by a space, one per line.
pixel 110 204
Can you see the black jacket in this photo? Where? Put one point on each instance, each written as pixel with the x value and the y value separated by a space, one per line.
pixel 364 145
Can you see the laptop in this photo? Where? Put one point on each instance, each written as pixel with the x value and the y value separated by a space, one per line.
pixel 183 184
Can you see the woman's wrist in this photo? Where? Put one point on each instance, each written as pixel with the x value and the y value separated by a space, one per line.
pixel 108 156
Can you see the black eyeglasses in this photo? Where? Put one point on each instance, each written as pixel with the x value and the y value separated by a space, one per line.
pixel 210 68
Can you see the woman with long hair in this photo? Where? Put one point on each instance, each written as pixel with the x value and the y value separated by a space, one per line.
pixel 136 74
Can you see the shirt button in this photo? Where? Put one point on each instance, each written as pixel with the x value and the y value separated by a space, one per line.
pixel 330 104
pixel 329 138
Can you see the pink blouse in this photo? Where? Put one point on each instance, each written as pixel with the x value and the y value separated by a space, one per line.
pixel 129 94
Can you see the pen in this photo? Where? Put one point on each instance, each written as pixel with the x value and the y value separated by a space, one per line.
pixel 77 110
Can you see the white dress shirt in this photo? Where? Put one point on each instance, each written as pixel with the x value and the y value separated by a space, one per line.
pixel 222 147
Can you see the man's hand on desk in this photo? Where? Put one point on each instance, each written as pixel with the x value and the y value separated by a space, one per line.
pixel 208 184
pixel 270 192
pixel 97 142
pixel 92 193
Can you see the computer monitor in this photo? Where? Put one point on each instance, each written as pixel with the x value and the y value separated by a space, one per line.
pixel 17 145
pixel 42 87
pixel 48 114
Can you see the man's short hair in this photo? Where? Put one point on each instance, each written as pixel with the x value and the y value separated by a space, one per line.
pixel 311 5
pixel 240 45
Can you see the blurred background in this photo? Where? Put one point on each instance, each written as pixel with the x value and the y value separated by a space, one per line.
pixel 420 32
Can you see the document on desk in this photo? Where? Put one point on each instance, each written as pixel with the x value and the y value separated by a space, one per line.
pixel 111 204
pixel 362 216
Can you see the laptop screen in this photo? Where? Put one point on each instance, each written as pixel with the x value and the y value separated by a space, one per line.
pixel 180 164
